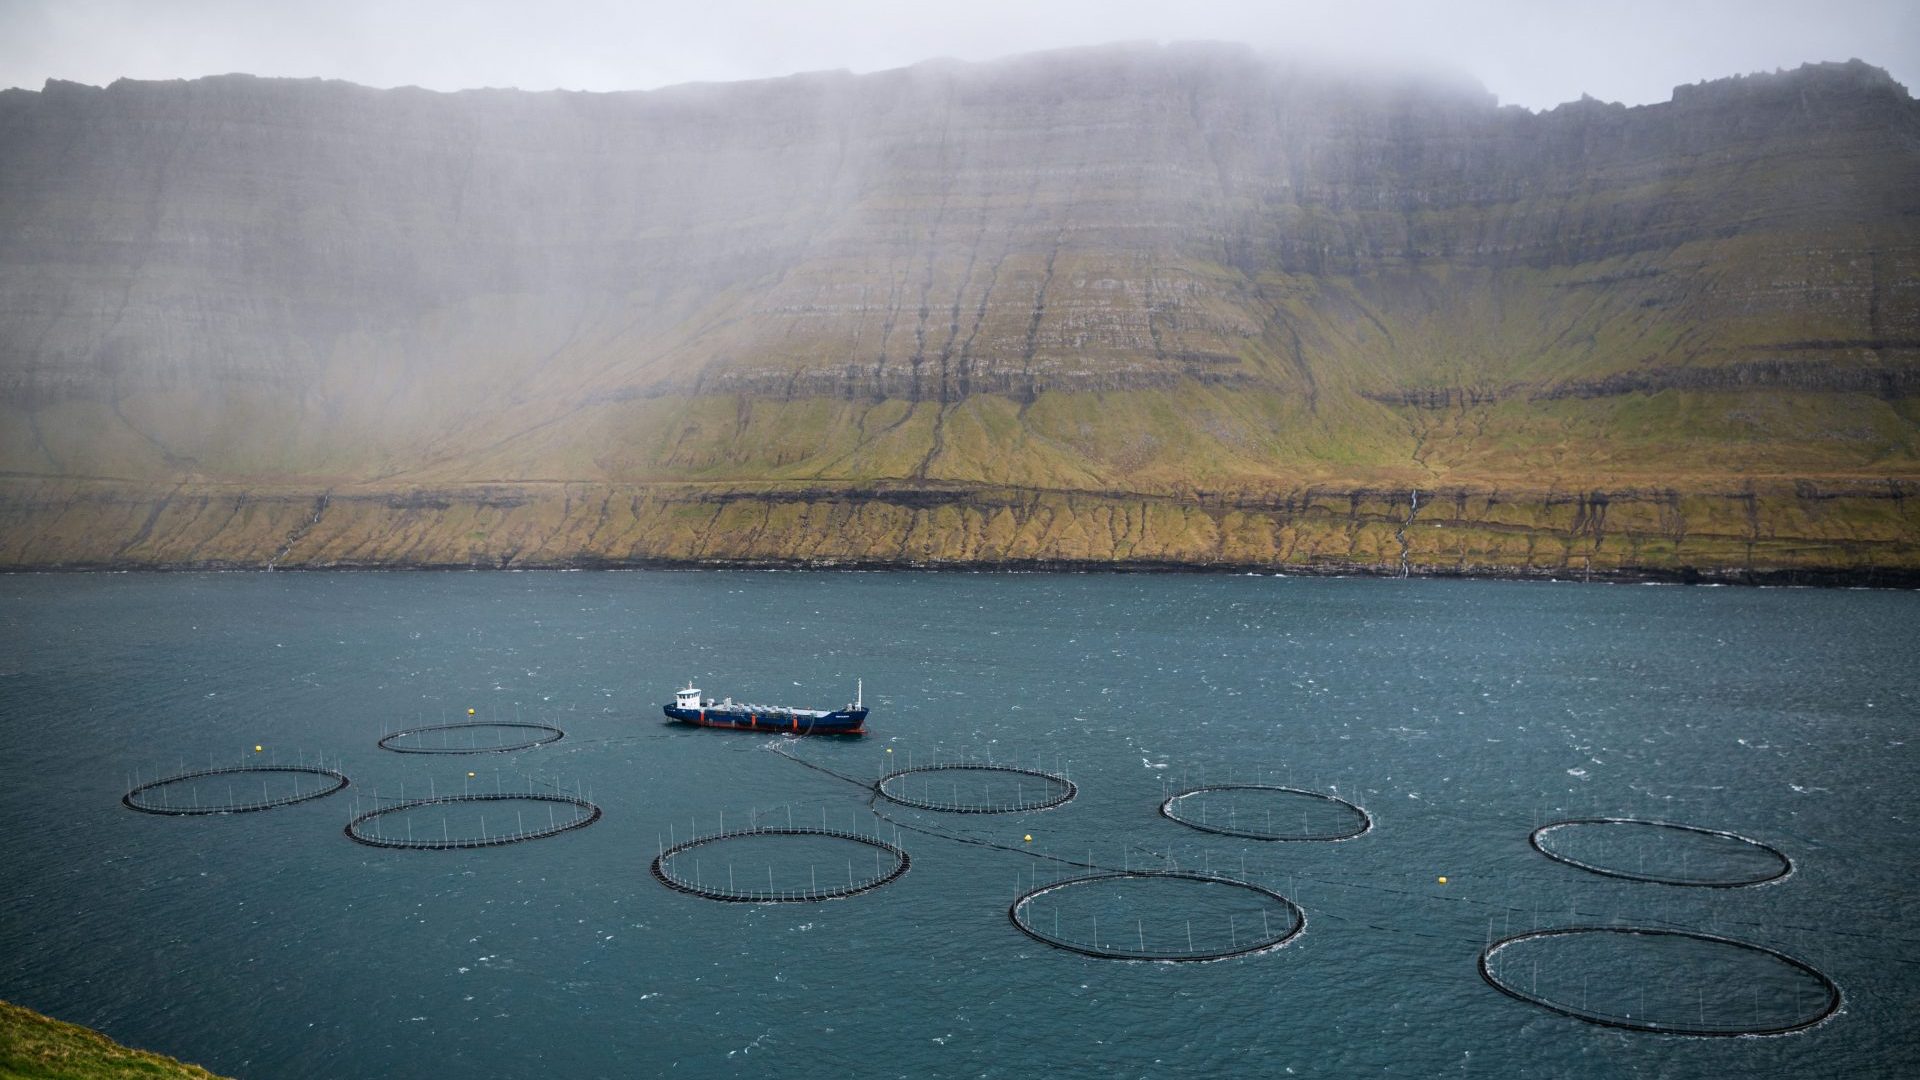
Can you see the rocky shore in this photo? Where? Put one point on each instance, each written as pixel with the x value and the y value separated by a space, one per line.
pixel 1840 534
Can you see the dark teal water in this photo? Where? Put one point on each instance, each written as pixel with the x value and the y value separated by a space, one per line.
pixel 1460 714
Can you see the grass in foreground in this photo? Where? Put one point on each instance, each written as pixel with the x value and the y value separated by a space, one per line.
pixel 35 1047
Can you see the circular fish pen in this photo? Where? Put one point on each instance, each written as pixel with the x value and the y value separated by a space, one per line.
pixel 211 791
pixel 1681 854
pixel 975 789
pixel 1673 982
pixel 1267 812
pixel 490 737
pixel 1159 915
pixel 429 824
pixel 779 865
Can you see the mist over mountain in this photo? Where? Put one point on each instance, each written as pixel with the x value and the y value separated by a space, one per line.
pixel 1134 305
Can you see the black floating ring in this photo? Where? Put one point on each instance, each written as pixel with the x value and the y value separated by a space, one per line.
pixel 1625 1023
pixel 880 788
pixel 780 896
pixel 1166 811
pixel 1259 945
pixel 593 815
pixel 1786 864
pixel 555 735
pixel 132 801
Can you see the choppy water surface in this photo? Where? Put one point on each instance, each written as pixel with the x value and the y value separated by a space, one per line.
pixel 1461 715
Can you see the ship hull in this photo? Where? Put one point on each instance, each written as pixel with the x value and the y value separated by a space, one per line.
pixel 838 722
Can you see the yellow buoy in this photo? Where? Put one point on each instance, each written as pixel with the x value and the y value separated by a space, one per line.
pixel 469 712
pixel 469 774
pixel 1029 838
pixel 256 749
pixel 1443 881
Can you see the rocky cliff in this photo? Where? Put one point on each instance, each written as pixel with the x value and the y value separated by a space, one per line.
pixel 1123 306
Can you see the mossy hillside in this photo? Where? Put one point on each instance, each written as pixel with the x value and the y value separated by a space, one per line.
pixel 1324 350
pixel 1671 437
pixel 35 1047
pixel 1839 527
pixel 1187 436
pixel 1195 436
pixel 1166 447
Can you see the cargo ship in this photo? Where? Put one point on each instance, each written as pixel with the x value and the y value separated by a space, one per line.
pixel 690 708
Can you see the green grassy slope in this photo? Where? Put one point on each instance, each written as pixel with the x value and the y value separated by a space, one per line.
pixel 34 1047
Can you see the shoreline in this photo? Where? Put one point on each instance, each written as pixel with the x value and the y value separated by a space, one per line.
pixel 1896 579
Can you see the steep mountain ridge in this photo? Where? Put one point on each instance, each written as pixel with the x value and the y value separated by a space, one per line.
pixel 1141 277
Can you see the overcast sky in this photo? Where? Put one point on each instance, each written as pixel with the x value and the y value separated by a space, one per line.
pixel 1536 53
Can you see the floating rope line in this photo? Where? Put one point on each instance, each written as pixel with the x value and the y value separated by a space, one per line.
pixel 1262 829
pixel 751 893
pixel 874 800
pixel 548 734
pixel 140 797
pixel 1266 939
pixel 1123 942
pixel 358 828
pixel 1737 1009
pixel 1049 791
pixel 1779 865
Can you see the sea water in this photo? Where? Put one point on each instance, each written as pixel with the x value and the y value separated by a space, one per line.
pixel 1460 715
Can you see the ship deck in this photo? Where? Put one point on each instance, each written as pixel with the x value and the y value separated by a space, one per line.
pixel 745 708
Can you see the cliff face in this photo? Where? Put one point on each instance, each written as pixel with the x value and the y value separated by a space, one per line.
pixel 1138 281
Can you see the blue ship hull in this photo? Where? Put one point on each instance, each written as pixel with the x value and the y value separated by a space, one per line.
pixel 771 718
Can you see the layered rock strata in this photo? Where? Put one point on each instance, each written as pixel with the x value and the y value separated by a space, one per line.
pixel 1135 306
